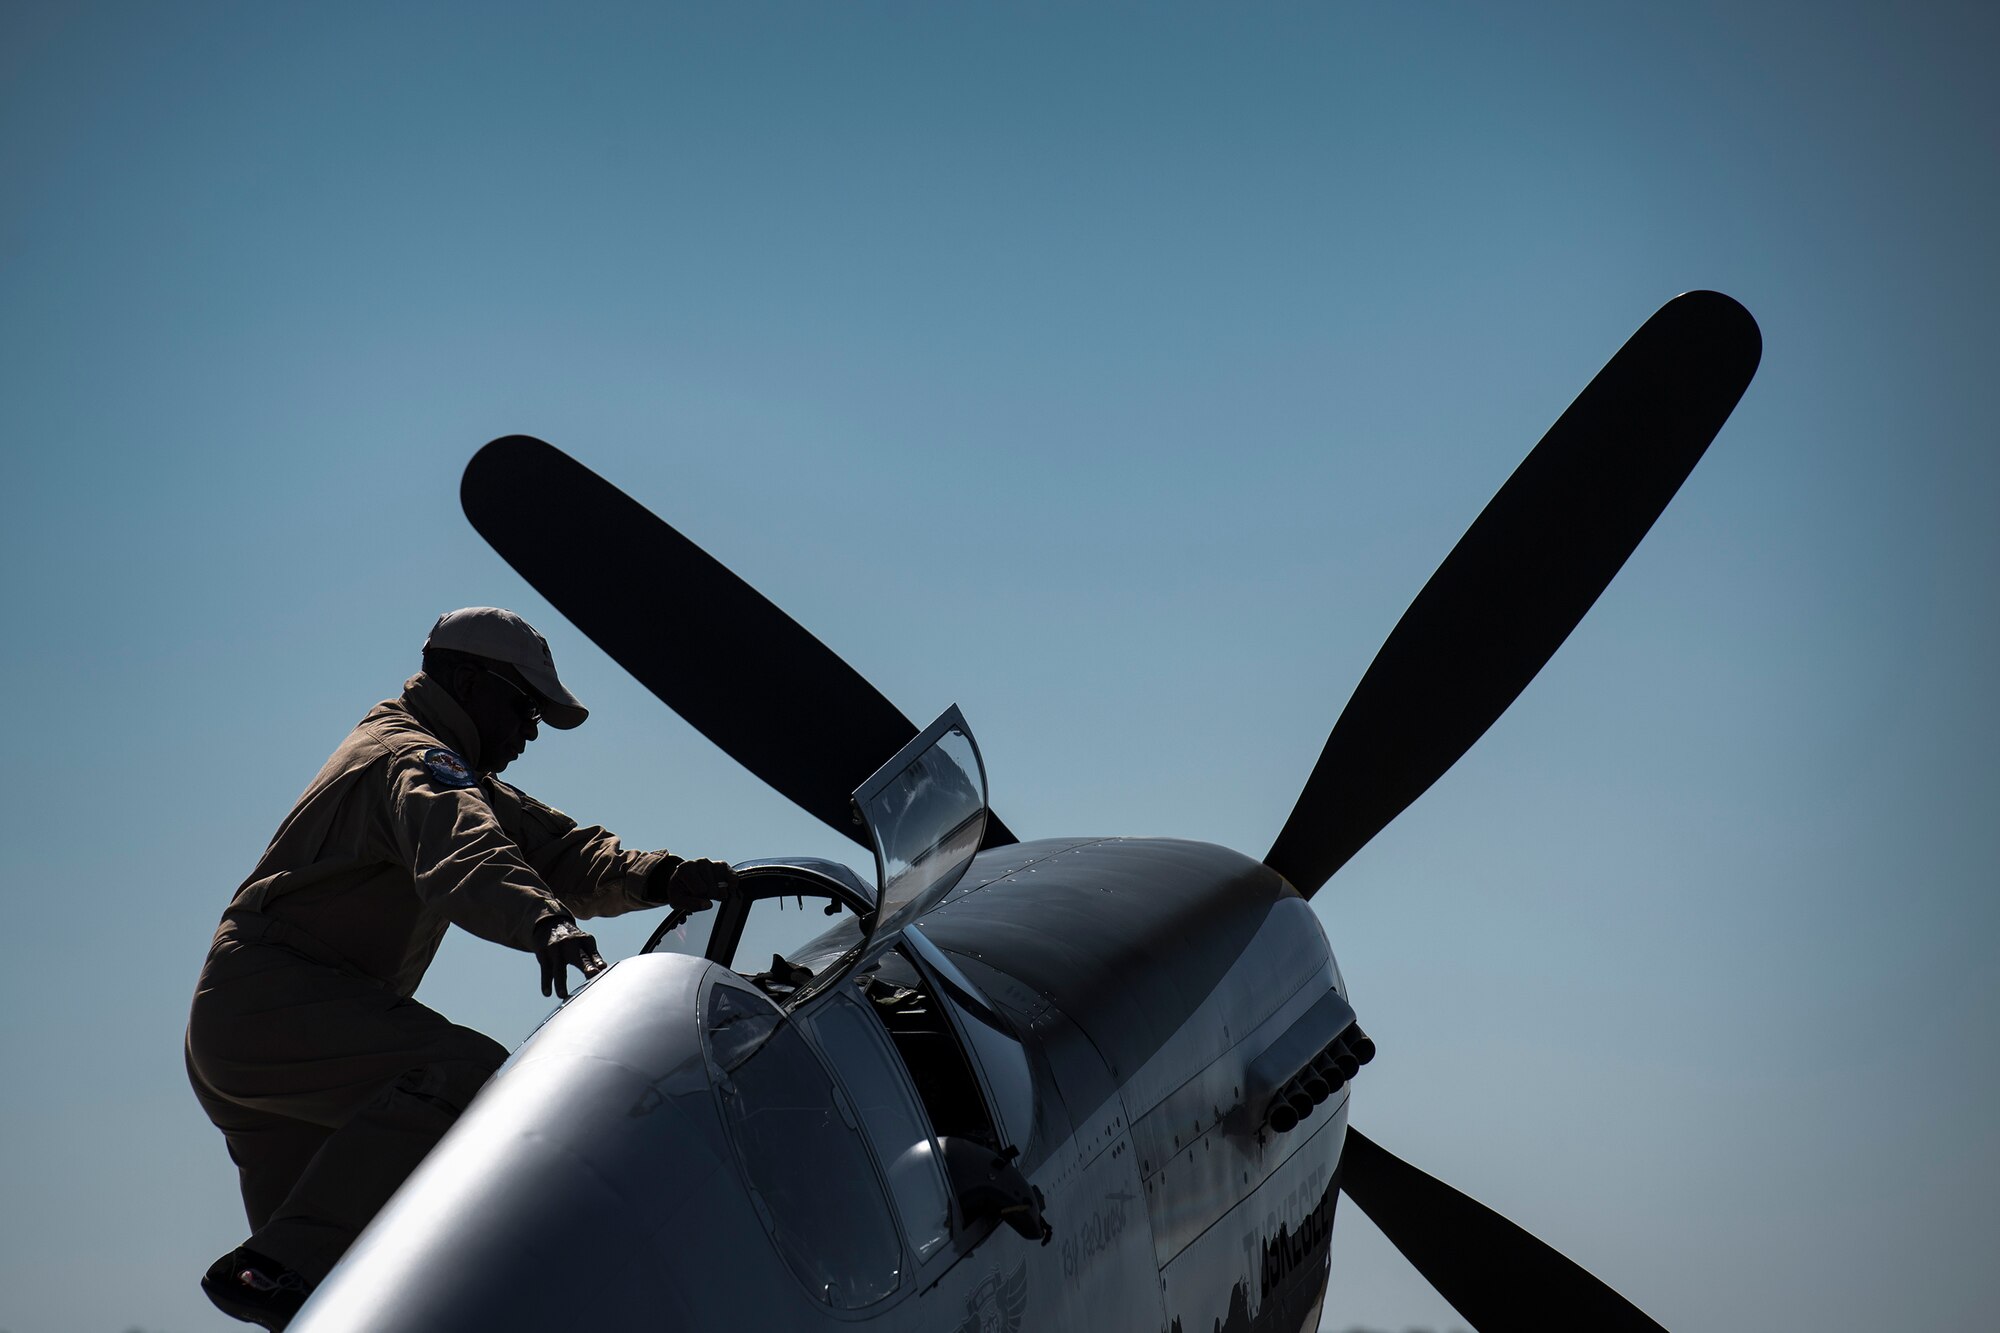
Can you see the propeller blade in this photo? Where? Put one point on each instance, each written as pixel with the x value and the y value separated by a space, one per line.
pixel 1495 1274
pixel 711 647
pixel 1522 576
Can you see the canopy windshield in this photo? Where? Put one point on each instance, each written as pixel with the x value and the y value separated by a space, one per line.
pixel 926 811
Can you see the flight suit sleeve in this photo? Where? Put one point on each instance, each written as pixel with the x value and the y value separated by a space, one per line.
pixel 465 863
pixel 584 865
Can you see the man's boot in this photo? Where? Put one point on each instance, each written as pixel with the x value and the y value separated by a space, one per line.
pixel 258 1290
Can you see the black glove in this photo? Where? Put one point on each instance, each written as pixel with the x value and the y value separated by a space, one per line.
pixel 559 945
pixel 689 886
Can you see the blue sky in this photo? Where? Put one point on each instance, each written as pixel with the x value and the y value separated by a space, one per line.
pixel 1118 373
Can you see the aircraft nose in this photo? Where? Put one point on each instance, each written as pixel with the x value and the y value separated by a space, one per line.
pixel 568 1193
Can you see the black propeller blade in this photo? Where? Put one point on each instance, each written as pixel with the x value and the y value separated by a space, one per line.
pixel 1498 1276
pixel 1522 576
pixel 742 672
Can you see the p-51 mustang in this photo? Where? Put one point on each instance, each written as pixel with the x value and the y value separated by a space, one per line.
pixel 1075 1083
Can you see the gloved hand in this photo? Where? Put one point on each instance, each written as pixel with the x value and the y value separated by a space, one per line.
pixel 689 886
pixel 559 945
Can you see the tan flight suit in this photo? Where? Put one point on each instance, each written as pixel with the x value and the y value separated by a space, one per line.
pixel 327 1080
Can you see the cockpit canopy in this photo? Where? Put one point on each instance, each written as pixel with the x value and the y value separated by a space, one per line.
pixel 926 812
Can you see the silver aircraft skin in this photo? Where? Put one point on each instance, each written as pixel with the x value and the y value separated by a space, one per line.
pixel 1111 1000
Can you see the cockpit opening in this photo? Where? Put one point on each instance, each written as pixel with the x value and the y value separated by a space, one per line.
pixel 923 1037
pixel 784 926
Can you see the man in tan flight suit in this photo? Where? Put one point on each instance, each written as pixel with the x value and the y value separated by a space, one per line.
pixel 327 1080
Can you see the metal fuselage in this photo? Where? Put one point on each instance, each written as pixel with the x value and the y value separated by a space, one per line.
pixel 599 1181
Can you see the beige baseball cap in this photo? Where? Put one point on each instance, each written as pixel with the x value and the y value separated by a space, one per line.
pixel 502 636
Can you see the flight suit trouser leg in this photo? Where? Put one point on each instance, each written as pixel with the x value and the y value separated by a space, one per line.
pixel 270 1151
pixel 329 1090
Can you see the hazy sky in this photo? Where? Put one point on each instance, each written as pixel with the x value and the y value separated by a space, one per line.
pixel 1118 373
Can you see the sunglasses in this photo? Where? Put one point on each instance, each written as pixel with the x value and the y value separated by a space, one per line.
pixel 527 699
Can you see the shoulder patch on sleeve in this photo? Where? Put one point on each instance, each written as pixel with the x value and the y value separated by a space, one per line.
pixel 448 768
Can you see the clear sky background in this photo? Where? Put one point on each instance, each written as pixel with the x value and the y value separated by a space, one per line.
pixel 1116 372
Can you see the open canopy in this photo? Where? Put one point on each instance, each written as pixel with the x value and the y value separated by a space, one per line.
pixel 925 813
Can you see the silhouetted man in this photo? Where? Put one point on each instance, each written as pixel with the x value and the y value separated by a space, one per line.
pixel 327 1080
